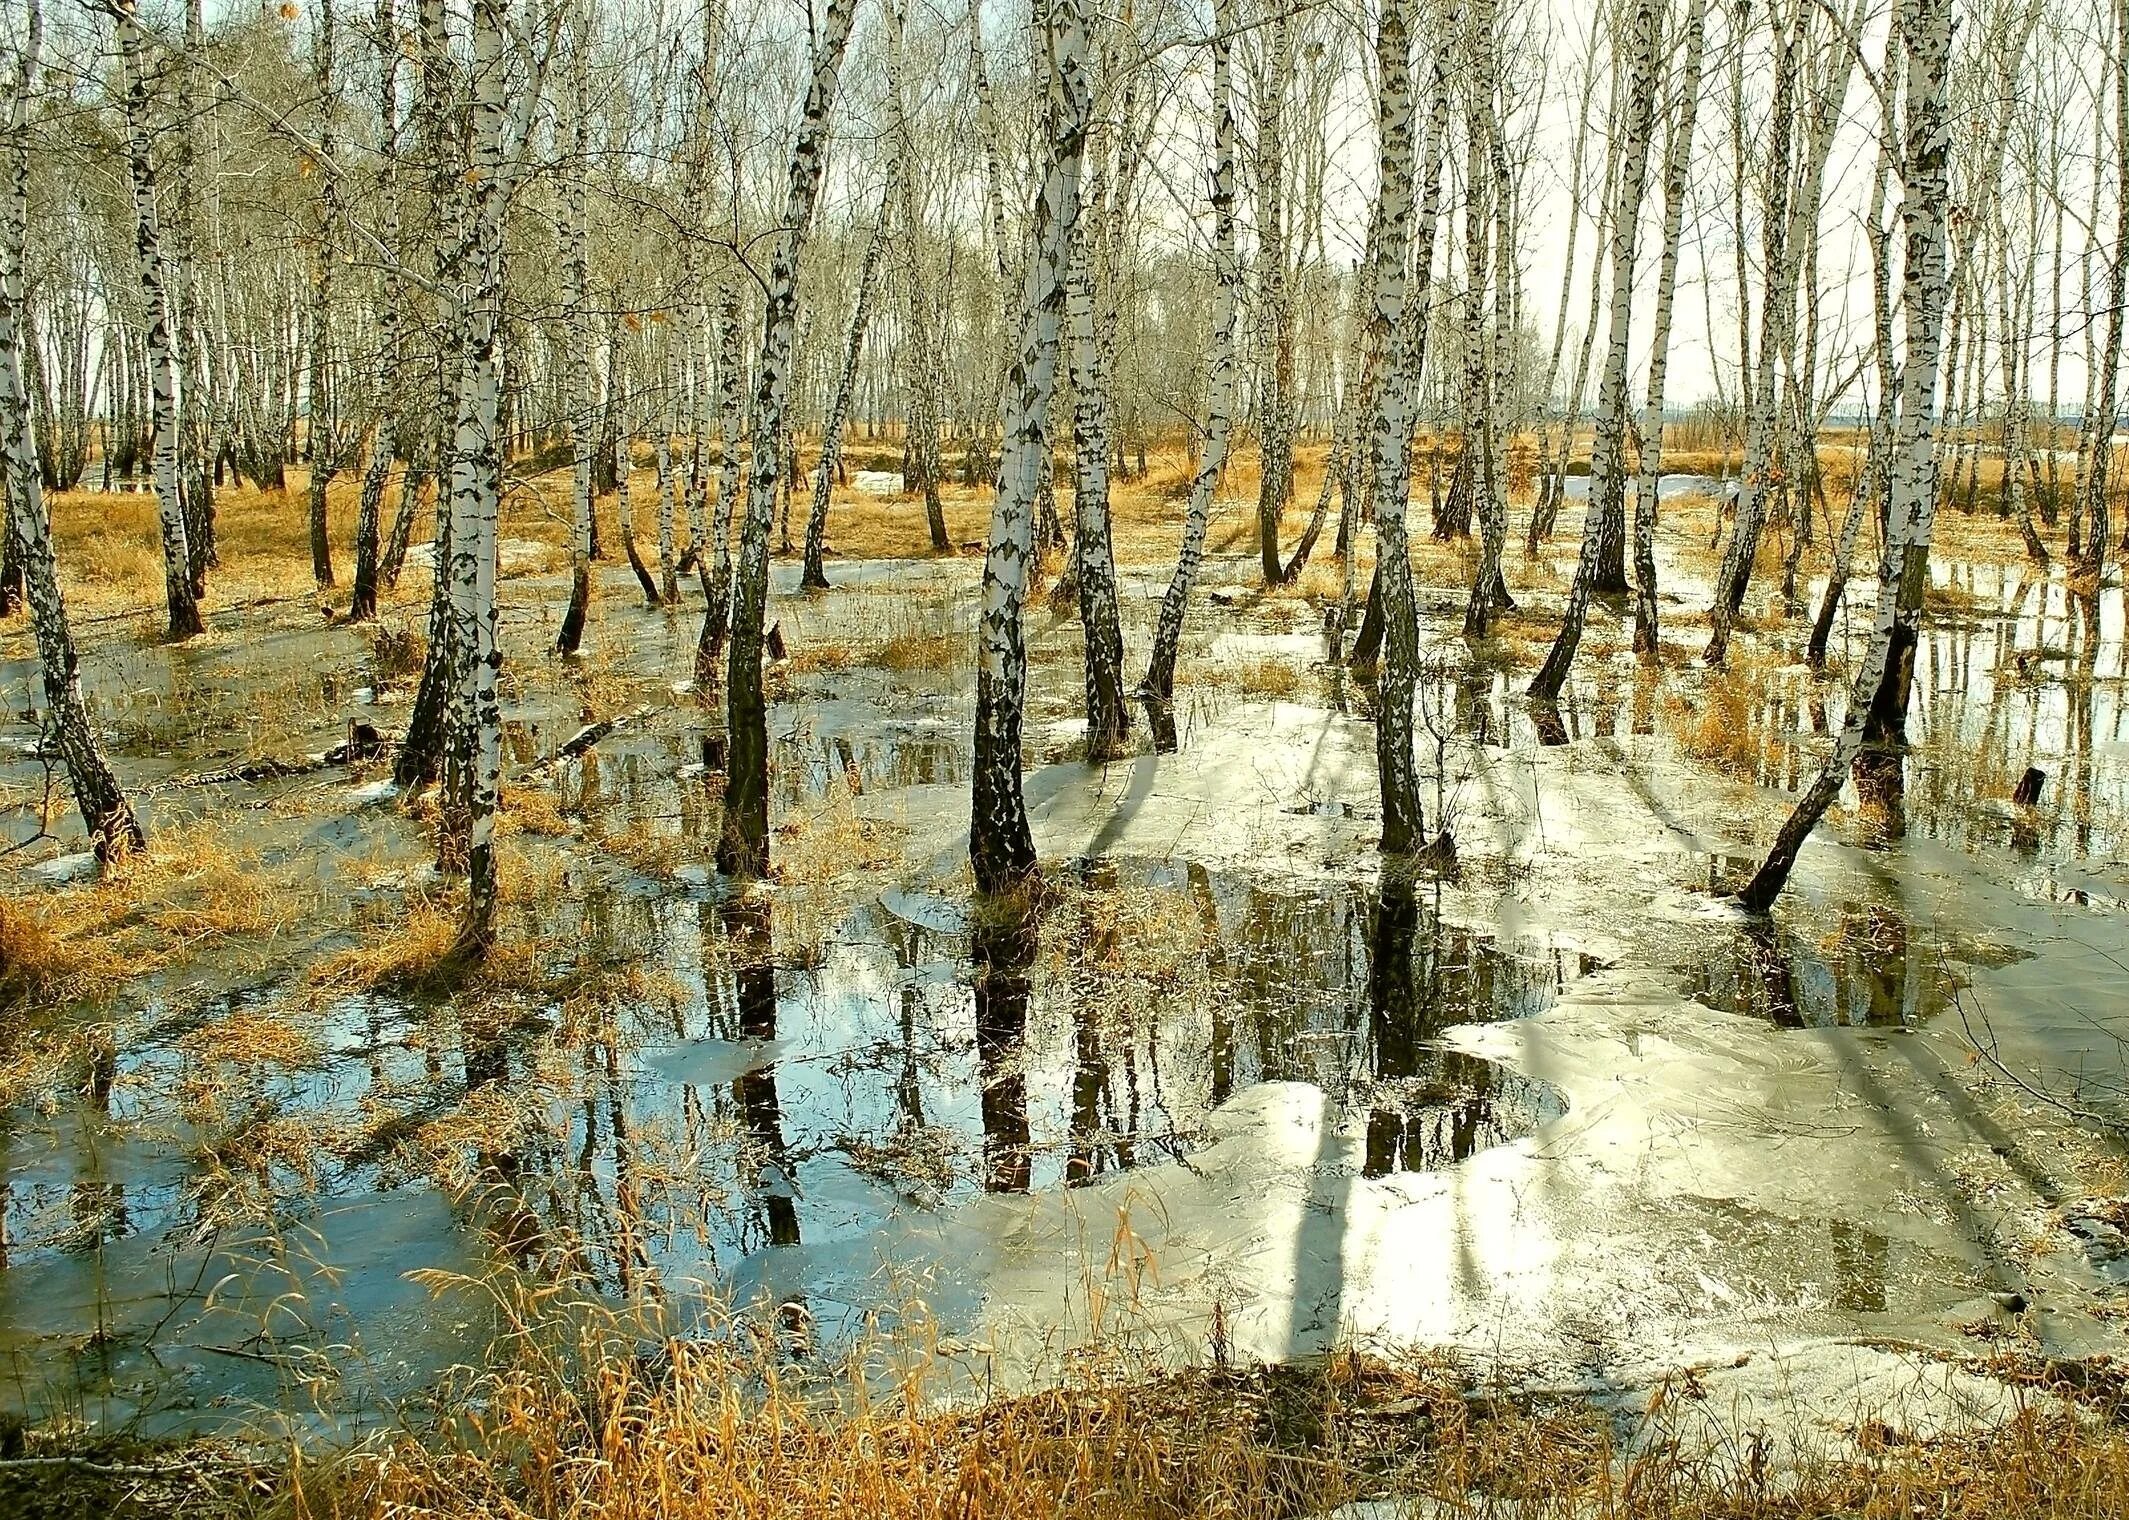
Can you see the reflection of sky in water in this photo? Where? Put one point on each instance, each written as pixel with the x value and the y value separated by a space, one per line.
pixel 773 1127
pixel 810 1108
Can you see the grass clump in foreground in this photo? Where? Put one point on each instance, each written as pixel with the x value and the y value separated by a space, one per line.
pixel 702 1430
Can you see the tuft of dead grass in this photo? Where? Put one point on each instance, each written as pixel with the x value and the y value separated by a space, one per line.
pixel 606 1421
pixel 191 889
pixel 1266 676
pixel 1724 722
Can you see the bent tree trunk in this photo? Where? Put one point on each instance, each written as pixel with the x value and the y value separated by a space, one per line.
pixel 1883 678
pixel 743 842
pixel 1607 470
pixel 1001 847
pixel 163 378
pixel 1220 384
pixel 814 577
pixel 113 829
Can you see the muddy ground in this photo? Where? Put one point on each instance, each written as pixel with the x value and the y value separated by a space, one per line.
pixel 1558 1109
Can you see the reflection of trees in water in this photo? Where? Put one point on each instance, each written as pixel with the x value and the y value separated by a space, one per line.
pixel 1103 1134
pixel 1420 981
pixel 1867 972
pixel 1003 948
pixel 768 1169
pixel 1860 1258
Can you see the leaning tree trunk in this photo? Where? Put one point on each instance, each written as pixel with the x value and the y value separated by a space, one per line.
pixel 743 844
pixel 1607 468
pixel 1220 382
pixel 1678 157
pixel 814 575
pixel 1001 847
pixel 162 353
pixel 1887 669
pixel 113 829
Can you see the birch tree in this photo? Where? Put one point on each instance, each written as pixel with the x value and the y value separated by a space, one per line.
pixel 1390 431
pixel 163 375
pixel 113 829
pixel 1108 720
pixel 1887 669
pixel 493 162
pixel 576 317
pixel 743 843
pixel 1677 162
pixel 319 429
pixel 1276 410
pixel 1607 469
pixel 1220 380
pixel 814 576
pixel 1001 846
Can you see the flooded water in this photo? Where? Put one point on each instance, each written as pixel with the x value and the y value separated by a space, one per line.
pixel 1558 1103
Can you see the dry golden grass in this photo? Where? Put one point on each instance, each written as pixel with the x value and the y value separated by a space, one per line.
pixel 707 1429
pixel 251 1037
pixel 909 652
pixel 404 947
pixel 193 888
pixel 606 1422
pixel 1723 722
pixel 110 560
pixel 1264 676
pixel 1156 935
pixel 823 859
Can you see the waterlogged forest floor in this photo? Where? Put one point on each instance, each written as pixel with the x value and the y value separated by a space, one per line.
pixel 1555 1130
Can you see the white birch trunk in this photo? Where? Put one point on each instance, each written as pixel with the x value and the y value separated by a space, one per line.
pixel 1001 847
pixel 743 845
pixel 1886 670
pixel 1607 470
pixel 1220 380
pixel 1390 431
pixel 163 376
pixel 1678 158
pixel 113 829
pixel 583 426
